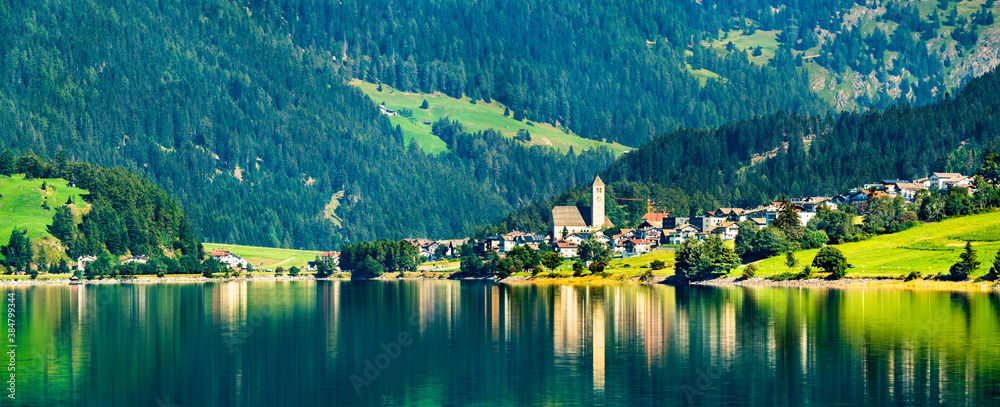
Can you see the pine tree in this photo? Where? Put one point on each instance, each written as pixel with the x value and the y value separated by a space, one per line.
pixel 63 225
pixel 788 220
pixel 18 252
pixel 506 112
pixel 8 163
pixel 967 264
pixel 425 105
pixel 994 272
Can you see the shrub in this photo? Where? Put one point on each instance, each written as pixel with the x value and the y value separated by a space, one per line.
pixel 750 271
pixel 783 276
pixel 577 268
pixel 598 267
pixel 805 274
pixel 914 275
pixel 207 274
pixel 657 265
pixel 161 274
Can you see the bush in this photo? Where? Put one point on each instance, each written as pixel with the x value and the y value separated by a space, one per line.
pixel 805 274
pixel 207 274
pixel 914 275
pixel 750 271
pixel 657 265
pixel 577 268
pixel 783 276
pixel 161 274
pixel 597 267
pixel 646 275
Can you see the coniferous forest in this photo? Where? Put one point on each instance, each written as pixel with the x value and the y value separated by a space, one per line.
pixel 242 109
pixel 751 162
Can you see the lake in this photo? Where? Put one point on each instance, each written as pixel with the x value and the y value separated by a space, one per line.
pixel 380 343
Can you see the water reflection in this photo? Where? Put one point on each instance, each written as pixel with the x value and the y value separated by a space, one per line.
pixel 461 343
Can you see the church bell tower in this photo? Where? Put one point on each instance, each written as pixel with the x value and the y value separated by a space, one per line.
pixel 597 204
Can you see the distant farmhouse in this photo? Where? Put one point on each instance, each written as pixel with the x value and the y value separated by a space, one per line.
pixel 573 219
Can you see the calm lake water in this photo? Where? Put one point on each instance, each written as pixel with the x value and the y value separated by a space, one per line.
pixel 455 343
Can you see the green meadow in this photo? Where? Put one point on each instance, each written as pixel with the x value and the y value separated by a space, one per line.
pixel 474 117
pixel 929 248
pixel 271 257
pixel 22 201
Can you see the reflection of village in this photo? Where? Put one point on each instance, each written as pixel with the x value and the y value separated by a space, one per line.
pixel 596 332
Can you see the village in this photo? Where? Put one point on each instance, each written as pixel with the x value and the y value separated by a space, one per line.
pixel 572 225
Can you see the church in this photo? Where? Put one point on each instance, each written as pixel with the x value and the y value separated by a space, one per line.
pixel 573 219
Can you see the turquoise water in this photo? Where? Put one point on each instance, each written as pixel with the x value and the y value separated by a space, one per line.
pixel 452 343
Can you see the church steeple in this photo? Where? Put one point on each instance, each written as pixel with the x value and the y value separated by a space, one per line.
pixel 597 203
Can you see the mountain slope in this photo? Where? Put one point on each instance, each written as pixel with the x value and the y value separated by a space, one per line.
pixel 748 163
pixel 254 134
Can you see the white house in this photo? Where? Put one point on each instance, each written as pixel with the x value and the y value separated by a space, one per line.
pixel 228 258
pixel 727 230
pixel 639 245
pixel 566 249
pixel 947 179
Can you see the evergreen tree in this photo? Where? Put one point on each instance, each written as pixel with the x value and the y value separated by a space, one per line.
pixel 425 105
pixel 788 220
pixel 966 265
pixel 994 272
pixel 63 224
pixel 8 163
pixel 18 252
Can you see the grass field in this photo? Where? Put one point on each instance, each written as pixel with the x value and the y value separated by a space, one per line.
pixel 21 204
pixel 475 117
pixel 270 257
pixel 767 40
pixel 929 249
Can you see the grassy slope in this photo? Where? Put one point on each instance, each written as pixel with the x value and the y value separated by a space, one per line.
pixel 22 204
pixel 475 117
pixel 271 257
pixel 929 248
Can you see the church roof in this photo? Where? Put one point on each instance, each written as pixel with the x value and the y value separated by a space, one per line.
pixel 597 181
pixel 568 216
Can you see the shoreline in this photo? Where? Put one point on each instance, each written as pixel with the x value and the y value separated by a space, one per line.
pixel 815 283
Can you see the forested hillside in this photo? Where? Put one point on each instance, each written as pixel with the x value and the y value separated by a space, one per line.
pixel 618 71
pixel 872 53
pixel 259 138
pixel 124 214
pixel 750 162
pixel 243 109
